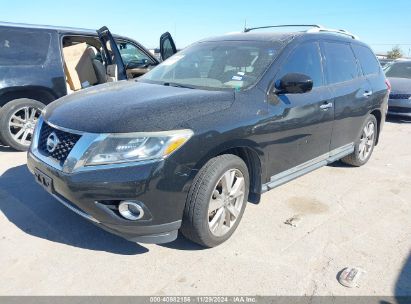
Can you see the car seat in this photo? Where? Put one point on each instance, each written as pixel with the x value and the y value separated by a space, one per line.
pixel 98 66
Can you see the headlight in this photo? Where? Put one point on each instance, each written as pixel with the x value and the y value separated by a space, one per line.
pixel 128 147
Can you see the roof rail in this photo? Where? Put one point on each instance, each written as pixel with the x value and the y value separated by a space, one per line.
pixel 246 30
pixel 342 32
pixel 314 28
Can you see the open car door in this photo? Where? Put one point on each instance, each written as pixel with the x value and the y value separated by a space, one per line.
pixel 114 63
pixel 167 46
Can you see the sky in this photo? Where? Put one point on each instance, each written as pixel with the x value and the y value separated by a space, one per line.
pixel 379 23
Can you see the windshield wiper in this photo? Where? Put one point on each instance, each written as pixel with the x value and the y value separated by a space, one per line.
pixel 173 84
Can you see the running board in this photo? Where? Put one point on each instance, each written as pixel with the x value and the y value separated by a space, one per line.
pixel 318 162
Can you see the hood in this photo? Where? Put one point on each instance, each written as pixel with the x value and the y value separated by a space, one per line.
pixel 131 106
pixel 400 85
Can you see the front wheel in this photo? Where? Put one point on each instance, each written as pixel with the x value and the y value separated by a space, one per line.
pixel 364 146
pixel 216 201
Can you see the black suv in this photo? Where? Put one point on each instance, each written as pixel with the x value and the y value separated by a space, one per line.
pixel 34 70
pixel 216 125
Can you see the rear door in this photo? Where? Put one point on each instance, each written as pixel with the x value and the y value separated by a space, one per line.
pixel 373 72
pixel 351 91
pixel 115 64
pixel 167 46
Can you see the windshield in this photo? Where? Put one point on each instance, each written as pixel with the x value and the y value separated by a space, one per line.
pixel 398 69
pixel 215 65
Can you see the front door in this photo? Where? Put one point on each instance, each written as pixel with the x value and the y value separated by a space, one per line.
pixel 114 62
pixel 167 46
pixel 301 124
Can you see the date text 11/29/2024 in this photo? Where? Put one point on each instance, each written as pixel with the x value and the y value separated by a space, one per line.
pixel 203 299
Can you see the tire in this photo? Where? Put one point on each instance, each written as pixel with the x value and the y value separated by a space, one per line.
pixel 10 126
pixel 357 158
pixel 205 191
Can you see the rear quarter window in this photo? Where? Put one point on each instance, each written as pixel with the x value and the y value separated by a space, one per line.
pixel 340 61
pixel 367 59
pixel 23 47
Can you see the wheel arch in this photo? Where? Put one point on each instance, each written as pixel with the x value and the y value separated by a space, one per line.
pixel 378 116
pixel 39 93
pixel 253 158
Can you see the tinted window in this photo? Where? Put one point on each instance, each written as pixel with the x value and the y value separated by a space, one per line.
pixel 22 47
pixel 167 49
pixel 341 63
pixel 304 60
pixel 368 61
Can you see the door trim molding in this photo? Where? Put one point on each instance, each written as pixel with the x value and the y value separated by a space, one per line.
pixel 304 168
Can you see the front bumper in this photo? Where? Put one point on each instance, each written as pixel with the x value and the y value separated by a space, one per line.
pixel 93 193
pixel 399 107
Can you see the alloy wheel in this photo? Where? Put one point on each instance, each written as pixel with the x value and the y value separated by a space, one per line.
pixel 21 124
pixel 226 202
pixel 366 141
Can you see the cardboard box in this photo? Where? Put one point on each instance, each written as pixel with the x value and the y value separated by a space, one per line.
pixel 78 66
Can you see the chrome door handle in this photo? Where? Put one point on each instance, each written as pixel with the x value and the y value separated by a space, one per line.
pixel 326 106
pixel 367 93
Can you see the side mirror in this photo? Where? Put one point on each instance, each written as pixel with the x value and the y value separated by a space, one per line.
pixel 293 83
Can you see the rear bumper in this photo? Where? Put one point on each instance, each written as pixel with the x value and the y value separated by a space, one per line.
pixel 399 107
pixel 94 195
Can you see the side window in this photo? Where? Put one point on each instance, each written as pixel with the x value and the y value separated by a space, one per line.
pixel 340 61
pixel 168 49
pixel 368 61
pixel 23 47
pixel 305 59
pixel 132 55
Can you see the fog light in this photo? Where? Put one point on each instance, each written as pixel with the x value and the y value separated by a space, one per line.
pixel 130 210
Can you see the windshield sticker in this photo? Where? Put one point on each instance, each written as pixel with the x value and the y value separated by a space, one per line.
pixel 241 73
pixel 237 78
pixel 173 59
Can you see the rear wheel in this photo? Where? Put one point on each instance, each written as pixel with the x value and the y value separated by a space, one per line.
pixel 216 201
pixel 364 146
pixel 17 121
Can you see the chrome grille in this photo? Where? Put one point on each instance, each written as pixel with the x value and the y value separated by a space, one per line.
pixel 66 142
pixel 399 96
pixel 403 110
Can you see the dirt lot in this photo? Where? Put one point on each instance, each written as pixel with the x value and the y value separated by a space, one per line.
pixel 349 217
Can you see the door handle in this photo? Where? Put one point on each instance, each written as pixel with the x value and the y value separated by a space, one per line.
pixel 367 93
pixel 326 106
